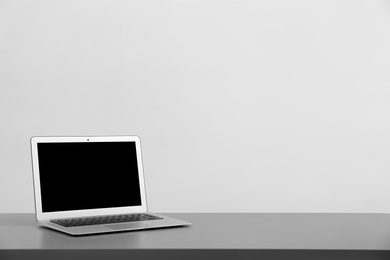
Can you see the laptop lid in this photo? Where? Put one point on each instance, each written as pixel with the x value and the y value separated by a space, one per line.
pixel 87 176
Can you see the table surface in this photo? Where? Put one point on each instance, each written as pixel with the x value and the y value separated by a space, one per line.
pixel 321 231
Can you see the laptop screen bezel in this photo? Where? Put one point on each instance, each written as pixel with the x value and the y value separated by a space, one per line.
pixel 41 216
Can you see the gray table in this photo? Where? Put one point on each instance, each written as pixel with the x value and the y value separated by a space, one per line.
pixel 212 236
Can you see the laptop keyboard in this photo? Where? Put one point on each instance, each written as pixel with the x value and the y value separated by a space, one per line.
pixel 101 220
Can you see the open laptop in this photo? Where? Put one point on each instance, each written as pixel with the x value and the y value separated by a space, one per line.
pixel 86 185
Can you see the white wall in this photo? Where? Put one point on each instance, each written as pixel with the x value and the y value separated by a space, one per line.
pixel 242 106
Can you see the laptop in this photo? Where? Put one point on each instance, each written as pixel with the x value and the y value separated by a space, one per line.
pixel 89 185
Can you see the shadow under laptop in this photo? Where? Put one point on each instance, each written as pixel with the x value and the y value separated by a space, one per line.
pixel 53 239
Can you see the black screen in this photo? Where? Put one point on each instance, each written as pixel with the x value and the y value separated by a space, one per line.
pixel 90 175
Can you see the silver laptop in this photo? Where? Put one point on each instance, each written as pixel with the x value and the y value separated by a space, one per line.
pixel 86 185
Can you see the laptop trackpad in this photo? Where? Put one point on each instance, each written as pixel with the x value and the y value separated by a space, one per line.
pixel 128 226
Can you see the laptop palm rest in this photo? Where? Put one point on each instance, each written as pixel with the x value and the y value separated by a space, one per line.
pixel 128 226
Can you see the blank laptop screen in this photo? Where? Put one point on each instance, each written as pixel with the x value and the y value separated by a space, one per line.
pixel 88 175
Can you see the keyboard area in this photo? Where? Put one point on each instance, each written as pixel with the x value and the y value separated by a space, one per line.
pixel 102 220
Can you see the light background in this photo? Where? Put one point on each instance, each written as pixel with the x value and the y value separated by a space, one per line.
pixel 242 106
